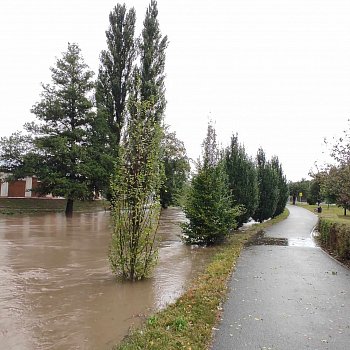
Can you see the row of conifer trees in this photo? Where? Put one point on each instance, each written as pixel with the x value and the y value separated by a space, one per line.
pixel 229 188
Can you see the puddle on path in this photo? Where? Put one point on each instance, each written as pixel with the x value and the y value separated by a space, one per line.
pixel 261 239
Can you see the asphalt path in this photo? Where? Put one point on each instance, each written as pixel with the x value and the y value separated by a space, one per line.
pixel 286 296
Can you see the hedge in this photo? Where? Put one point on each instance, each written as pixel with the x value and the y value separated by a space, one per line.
pixel 335 236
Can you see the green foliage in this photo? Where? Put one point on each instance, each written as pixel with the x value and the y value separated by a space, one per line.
pixel 302 186
pixel 315 195
pixel 176 168
pixel 188 323
pixel 56 151
pixel 283 190
pixel 180 324
pixel 66 113
pixel 268 188
pixel 14 151
pixel 136 206
pixel 335 236
pixel 139 173
pixel 112 88
pixel 336 184
pixel 208 207
pixel 242 180
pixel 334 179
pixel 152 56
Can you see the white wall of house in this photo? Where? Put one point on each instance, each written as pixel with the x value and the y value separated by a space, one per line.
pixel 4 189
pixel 29 185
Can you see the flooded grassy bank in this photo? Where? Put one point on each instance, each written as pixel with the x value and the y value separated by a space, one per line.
pixel 58 290
pixel 189 322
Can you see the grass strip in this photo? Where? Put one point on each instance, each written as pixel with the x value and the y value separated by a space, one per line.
pixel 188 323
pixel 332 212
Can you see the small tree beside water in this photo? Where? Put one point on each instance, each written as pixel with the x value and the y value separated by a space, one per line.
pixel 135 189
pixel 208 207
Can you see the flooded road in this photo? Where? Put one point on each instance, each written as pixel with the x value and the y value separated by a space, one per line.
pixel 57 290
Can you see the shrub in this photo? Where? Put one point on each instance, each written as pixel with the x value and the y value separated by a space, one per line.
pixel 335 237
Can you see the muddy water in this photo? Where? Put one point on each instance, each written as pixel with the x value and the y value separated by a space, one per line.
pixel 56 288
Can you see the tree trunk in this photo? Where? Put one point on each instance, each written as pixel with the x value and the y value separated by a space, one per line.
pixel 69 208
pixel 344 211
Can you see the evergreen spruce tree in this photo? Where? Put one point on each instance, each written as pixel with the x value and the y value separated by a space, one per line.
pixel 283 190
pixel 268 188
pixel 242 180
pixel 59 156
pixel 208 208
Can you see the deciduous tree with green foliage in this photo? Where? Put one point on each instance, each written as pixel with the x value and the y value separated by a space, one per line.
pixel 136 205
pixel 208 208
pixel 336 185
pixel 139 172
pixel 112 88
pixel 152 56
pixel 297 187
pixel 176 168
pixel 315 195
pixel 14 151
pixel 242 179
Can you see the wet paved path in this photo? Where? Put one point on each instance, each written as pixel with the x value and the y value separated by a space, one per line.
pixel 287 297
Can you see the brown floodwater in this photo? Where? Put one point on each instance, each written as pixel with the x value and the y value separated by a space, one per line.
pixel 57 290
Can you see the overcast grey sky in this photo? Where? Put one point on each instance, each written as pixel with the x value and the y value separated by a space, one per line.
pixel 277 72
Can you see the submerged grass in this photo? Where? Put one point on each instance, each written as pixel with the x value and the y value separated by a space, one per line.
pixel 188 323
pixel 38 205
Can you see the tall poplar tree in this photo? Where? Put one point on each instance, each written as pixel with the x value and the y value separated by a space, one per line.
pixel 112 88
pixel 115 70
pixel 152 56
pixel 139 173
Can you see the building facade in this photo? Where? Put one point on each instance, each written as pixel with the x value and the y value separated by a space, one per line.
pixel 21 188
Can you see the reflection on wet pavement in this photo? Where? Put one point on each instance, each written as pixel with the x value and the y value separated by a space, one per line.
pixel 57 290
pixel 261 239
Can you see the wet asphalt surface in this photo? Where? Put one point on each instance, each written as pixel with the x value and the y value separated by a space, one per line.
pixel 286 296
